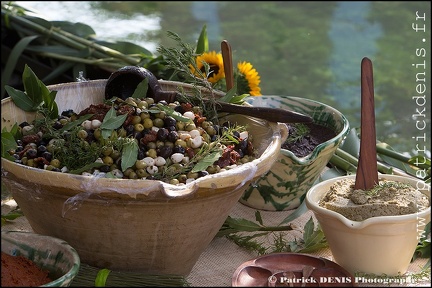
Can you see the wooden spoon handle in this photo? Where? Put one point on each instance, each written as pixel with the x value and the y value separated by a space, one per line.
pixel 267 113
pixel 367 169
pixel 228 65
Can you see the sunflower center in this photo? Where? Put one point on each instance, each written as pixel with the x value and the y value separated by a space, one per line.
pixel 214 70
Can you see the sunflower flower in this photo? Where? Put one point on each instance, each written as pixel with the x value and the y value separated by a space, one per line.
pixel 248 79
pixel 215 62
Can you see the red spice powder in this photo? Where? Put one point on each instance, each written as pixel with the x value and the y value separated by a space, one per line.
pixel 18 271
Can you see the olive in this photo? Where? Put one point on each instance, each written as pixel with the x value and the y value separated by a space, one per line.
pixel 47 155
pixel 130 129
pixel 179 109
pixel 31 153
pixel 57 125
pixel 162 134
pixel 202 173
pixel 179 149
pixel 105 168
pixel 242 145
pixel 170 121
pixel 141 153
pixel 172 136
pixel 171 128
pixel 165 151
pixel 23 124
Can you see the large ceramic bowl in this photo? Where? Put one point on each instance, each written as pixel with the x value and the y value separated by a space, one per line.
pixel 49 253
pixel 137 225
pixel 381 245
pixel 290 177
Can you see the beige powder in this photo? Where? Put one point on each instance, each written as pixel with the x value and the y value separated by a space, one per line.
pixel 389 198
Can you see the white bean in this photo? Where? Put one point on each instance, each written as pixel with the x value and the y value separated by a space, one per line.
pixel 149 160
pixel 152 169
pixel 87 124
pixel 189 114
pixel 95 124
pixel 194 133
pixel 244 135
pixel 160 161
pixel 177 157
pixel 196 142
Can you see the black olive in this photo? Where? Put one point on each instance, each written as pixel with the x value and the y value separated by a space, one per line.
pixel 203 173
pixel 162 134
pixel 47 155
pixel 23 124
pixel 172 136
pixel 31 153
pixel 165 151
pixel 169 121
pixel 105 168
pixel 41 149
pixel 57 125
pixel 179 149
pixel 179 109
pixel 141 153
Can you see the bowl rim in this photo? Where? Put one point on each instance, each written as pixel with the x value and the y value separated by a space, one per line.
pixel 242 173
pixel 313 155
pixel 76 263
pixel 316 209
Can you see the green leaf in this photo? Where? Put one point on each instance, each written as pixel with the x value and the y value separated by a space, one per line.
pixel 12 215
pixel 241 224
pixel 258 217
pixel 12 60
pixel 86 168
pixel 75 123
pixel 229 95
pixel 297 213
pixel 102 277
pixel 8 144
pixel 20 99
pixel 78 28
pixel 111 121
pixel 171 112
pixel 207 161
pixel 141 89
pixel 351 144
pixel 127 48
pixel 308 230
pixel 52 106
pixel 420 161
pixel 129 154
pixel 32 86
pixel 202 43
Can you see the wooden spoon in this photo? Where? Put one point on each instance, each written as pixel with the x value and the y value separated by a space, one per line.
pixel 228 66
pixel 367 168
pixel 123 82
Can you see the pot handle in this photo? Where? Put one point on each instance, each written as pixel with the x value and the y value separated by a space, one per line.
pixel 283 128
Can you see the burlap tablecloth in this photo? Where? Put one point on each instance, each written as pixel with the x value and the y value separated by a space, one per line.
pixel 219 261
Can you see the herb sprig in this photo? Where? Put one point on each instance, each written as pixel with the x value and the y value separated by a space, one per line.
pixel 249 235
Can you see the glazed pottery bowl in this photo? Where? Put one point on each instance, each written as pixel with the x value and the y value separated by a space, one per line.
pixel 378 245
pixel 290 177
pixel 126 224
pixel 49 253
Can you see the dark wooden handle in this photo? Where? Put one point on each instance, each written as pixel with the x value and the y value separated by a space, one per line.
pixel 367 168
pixel 266 113
pixel 228 65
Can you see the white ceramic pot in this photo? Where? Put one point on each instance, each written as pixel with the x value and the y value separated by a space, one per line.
pixel 125 224
pixel 378 245
pixel 290 177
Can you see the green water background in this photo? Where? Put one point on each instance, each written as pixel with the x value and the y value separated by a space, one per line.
pixel 305 49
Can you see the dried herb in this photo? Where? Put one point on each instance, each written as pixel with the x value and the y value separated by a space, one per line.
pixel 250 235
